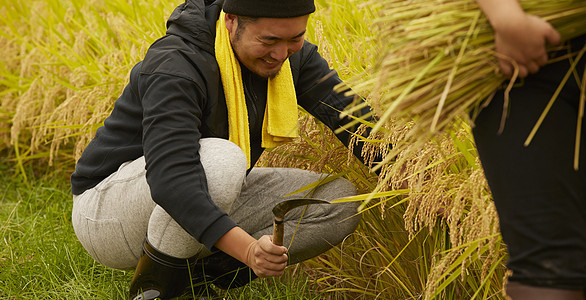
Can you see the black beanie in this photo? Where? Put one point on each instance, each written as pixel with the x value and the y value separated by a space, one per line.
pixel 269 8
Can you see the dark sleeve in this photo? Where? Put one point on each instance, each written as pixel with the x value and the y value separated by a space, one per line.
pixel 171 122
pixel 316 94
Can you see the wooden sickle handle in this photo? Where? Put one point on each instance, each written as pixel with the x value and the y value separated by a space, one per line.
pixel 278 231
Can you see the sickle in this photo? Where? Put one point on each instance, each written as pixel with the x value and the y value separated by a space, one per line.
pixel 281 209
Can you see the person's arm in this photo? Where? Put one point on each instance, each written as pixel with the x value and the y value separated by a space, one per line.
pixel 518 36
pixel 262 256
pixel 172 115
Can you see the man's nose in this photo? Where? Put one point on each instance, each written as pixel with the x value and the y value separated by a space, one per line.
pixel 280 52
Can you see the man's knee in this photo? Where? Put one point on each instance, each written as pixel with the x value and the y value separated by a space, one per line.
pixel 346 212
pixel 225 167
pixel 335 189
pixel 216 152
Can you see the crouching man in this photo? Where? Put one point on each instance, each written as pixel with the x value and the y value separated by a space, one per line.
pixel 167 187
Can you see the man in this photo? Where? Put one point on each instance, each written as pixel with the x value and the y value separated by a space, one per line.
pixel 167 184
pixel 539 195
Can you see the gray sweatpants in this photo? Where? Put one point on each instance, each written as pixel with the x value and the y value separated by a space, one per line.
pixel 112 219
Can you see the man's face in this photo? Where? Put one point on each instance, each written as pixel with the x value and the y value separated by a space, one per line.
pixel 263 45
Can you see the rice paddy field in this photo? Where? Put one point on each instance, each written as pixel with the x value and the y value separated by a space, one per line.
pixel 429 227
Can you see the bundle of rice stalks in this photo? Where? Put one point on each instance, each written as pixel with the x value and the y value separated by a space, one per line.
pixel 437 68
pixel 439 61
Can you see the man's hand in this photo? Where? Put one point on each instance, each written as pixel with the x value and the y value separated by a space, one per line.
pixel 262 256
pixel 265 258
pixel 518 37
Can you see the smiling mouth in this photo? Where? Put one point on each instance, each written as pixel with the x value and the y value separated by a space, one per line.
pixel 270 62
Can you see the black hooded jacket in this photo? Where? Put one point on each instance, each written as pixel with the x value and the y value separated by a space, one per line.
pixel 174 98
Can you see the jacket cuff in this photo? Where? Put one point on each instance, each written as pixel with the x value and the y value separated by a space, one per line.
pixel 215 231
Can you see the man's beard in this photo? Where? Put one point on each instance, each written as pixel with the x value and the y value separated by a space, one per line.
pixel 272 75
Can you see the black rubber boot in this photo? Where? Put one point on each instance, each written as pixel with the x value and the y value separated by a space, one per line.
pixel 224 271
pixel 518 291
pixel 159 276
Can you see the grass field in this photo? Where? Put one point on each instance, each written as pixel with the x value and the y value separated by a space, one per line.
pixel 40 257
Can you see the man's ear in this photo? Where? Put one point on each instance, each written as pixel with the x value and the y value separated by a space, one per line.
pixel 231 22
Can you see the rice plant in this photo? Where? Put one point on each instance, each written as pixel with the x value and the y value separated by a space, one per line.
pixel 446 199
pixel 63 65
pixel 436 67
pixel 428 231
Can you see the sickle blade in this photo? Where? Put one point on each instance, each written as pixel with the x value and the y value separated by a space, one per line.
pixel 281 209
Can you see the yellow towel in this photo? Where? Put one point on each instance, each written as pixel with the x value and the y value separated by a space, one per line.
pixel 280 119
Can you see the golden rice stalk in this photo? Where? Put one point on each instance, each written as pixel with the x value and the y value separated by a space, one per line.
pixel 62 65
pixel 438 61
pixel 446 190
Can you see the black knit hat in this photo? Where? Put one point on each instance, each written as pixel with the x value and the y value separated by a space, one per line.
pixel 269 8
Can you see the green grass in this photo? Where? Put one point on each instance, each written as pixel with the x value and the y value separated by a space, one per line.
pixel 40 257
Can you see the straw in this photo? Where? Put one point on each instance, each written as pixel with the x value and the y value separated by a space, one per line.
pixel 439 64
